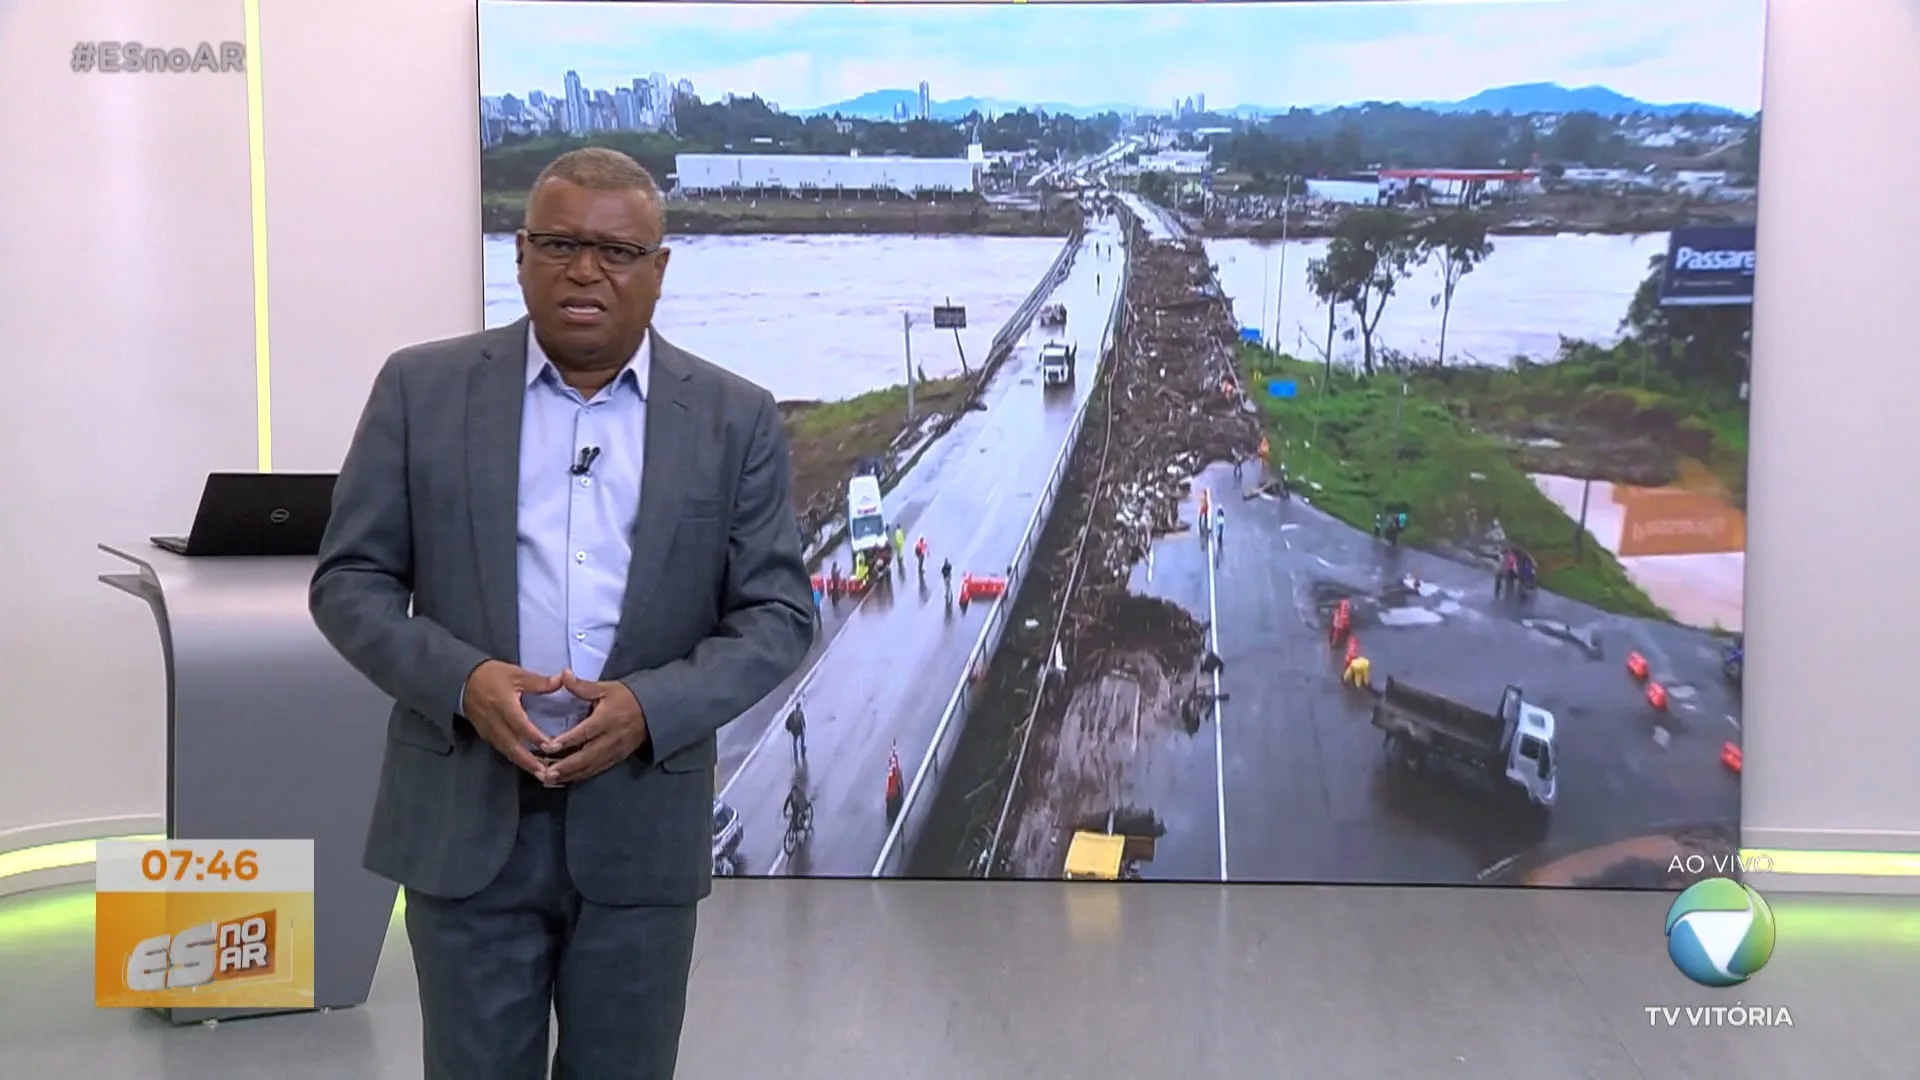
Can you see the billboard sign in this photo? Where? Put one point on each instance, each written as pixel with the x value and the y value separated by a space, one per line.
pixel 1709 266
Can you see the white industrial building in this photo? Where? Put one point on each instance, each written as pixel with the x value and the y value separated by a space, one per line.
pixel 825 174
pixel 1176 162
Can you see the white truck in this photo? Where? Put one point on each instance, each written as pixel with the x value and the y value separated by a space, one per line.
pixel 1512 750
pixel 1056 363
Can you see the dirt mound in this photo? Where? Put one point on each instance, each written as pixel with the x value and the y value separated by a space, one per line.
pixel 1115 624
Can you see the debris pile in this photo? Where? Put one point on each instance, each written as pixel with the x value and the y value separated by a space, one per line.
pixel 1173 404
pixel 1169 403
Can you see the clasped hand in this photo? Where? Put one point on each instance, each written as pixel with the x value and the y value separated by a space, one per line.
pixel 613 730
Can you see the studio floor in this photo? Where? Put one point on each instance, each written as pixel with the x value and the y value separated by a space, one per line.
pixel 891 980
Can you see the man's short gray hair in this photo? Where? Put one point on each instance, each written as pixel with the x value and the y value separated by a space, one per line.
pixel 598 168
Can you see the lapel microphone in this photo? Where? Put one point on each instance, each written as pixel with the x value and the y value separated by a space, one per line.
pixel 584 466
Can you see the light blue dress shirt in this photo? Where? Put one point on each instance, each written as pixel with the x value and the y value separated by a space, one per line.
pixel 576 532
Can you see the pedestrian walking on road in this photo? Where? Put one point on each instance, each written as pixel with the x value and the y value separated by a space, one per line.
pixel 1219 526
pixel 797 728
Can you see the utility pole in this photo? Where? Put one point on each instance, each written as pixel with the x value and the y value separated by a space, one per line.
pixel 1286 216
pixel 906 335
pixel 962 349
pixel 1580 529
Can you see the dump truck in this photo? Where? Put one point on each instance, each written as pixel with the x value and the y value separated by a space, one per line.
pixel 1512 749
pixel 1056 363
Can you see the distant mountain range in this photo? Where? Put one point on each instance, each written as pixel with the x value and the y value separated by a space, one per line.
pixel 1518 100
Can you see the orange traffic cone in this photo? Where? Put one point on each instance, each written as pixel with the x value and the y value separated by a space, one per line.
pixel 1657 696
pixel 895 782
pixel 1637 666
pixel 1730 756
pixel 1353 647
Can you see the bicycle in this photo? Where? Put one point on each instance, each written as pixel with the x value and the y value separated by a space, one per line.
pixel 799 815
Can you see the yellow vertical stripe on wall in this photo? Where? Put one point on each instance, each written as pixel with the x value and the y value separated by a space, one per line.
pixel 257 190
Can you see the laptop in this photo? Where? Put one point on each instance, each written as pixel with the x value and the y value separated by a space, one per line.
pixel 243 514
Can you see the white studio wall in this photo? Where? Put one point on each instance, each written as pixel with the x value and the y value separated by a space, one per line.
pixel 126 294
pixel 373 177
pixel 126 305
pixel 1831 743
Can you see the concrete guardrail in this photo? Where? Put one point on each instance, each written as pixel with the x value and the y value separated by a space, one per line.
pixel 917 806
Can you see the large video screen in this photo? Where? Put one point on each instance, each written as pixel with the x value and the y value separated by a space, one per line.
pixel 1233 442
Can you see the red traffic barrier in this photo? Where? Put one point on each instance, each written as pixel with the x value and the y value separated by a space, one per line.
pixel 989 586
pixel 1636 665
pixel 1730 756
pixel 1657 696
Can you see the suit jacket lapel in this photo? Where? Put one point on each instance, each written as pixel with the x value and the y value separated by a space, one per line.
pixel 671 427
pixel 496 396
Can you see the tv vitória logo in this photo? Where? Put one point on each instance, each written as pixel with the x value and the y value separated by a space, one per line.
pixel 1719 932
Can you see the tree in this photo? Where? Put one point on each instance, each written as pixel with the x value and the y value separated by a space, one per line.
pixel 1579 137
pixel 1153 187
pixel 1749 153
pixel 1372 251
pixel 1458 242
pixel 1332 278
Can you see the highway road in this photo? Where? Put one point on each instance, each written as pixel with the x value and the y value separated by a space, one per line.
pixel 1158 224
pixel 1290 784
pixel 883 670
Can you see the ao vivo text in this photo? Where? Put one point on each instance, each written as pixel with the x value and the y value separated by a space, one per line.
pixel 1720 865
pixel 199 955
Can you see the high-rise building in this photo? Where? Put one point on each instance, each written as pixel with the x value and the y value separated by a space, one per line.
pixel 926 102
pixel 576 118
pixel 1200 103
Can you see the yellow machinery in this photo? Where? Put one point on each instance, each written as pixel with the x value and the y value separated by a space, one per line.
pixel 1095 857
pixel 1106 856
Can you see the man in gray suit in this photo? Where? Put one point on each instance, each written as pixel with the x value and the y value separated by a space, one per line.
pixel 568 551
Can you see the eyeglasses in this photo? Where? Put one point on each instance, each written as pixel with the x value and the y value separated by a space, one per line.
pixel 611 254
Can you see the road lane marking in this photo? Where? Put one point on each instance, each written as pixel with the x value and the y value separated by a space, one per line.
pixel 1219 749
pixel 1136 717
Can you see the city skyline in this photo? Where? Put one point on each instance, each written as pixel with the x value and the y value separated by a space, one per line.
pixel 798 55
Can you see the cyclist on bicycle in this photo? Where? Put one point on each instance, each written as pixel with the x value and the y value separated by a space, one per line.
pixel 797 805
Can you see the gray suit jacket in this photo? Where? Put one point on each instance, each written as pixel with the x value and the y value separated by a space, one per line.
pixel 417 585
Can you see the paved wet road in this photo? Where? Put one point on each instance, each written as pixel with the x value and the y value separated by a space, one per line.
pixel 1302 793
pixel 883 670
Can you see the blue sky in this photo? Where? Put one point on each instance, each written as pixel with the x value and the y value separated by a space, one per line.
pixel 802 55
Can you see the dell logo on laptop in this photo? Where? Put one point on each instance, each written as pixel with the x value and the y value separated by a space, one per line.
pixel 279 516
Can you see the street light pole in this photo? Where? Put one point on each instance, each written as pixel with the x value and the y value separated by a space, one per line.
pixel 906 335
pixel 1286 216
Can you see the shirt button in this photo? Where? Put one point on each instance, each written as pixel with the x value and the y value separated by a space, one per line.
pixel 586 481
pixel 579 556
pixel 580 635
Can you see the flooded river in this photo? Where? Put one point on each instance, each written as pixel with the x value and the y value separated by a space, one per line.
pixel 1704 583
pixel 818 317
pixel 1529 293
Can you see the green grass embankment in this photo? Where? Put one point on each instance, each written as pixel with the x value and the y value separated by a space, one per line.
pixel 1455 481
pixel 829 437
